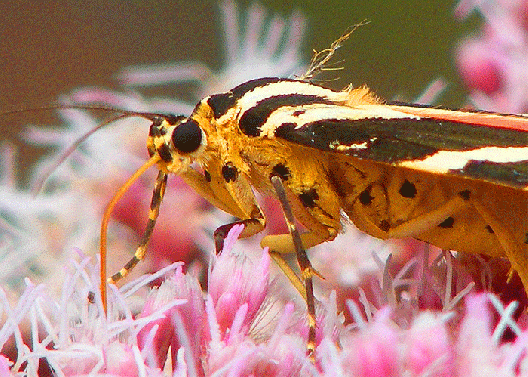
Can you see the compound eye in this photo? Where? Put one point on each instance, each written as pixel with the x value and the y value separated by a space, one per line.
pixel 187 137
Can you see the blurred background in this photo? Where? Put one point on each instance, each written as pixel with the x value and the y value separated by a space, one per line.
pixel 52 47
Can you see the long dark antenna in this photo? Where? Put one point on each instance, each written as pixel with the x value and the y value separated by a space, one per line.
pixel 39 184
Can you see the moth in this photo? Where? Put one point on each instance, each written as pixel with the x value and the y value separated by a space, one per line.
pixel 455 179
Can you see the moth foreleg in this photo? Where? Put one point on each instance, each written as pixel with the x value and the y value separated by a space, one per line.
pixel 230 197
pixel 202 187
pixel 157 198
pixel 251 226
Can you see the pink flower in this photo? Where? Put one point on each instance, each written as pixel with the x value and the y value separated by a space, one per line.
pixel 183 325
pixel 233 284
pixel 5 365
pixel 493 64
pixel 372 351
pixel 428 348
pixel 257 336
pixel 219 330
pixel 479 67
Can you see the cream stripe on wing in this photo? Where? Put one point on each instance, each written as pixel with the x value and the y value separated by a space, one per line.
pixel 444 161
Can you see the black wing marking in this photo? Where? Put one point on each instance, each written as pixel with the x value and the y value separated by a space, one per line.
pixel 396 140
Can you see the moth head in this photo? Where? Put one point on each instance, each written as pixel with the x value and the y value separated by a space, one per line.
pixel 177 140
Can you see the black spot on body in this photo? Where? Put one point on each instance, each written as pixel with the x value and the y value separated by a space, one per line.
pixel 187 137
pixel 207 176
pixel 447 223
pixel 526 238
pixel 281 171
pixel 229 172
pixel 309 197
pixel 164 153
pixel 151 150
pixel 384 225
pixel 365 198
pixel 466 194
pixel 408 190
pixel 490 229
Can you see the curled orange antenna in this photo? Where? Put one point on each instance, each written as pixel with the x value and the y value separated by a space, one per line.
pixel 106 218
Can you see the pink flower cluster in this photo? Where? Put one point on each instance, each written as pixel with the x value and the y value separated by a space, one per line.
pixel 243 328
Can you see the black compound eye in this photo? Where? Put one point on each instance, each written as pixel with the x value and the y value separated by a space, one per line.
pixel 187 137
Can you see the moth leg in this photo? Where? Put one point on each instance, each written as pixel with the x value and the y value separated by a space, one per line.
pixel 279 244
pixel 157 198
pixel 288 272
pixel 227 196
pixel 513 251
pixel 282 243
pixel 317 233
pixel 411 227
pixel 202 187
pixel 302 259
pixel 251 226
